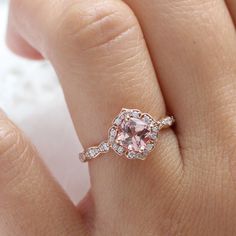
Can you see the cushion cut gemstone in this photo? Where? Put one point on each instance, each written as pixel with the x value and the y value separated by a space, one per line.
pixel 134 134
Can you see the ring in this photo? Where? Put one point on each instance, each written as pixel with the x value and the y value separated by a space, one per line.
pixel 133 134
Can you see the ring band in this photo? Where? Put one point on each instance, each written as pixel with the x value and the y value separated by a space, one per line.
pixel 133 134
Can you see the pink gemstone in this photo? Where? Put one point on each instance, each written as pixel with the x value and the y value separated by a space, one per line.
pixel 133 134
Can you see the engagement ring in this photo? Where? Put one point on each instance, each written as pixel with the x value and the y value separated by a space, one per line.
pixel 133 134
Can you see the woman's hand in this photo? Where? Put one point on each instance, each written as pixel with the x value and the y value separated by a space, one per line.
pixel 161 57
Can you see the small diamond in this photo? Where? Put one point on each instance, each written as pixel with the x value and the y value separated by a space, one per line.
pixel 167 121
pixel 145 153
pixel 120 150
pixel 140 156
pixel 112 134
pixel 149 147
pixel 93 152
pixel 136 114
pixel 117 121
pixel 153 136
pixel 155 128
pixel 131 155
pixel 147 119
pixel 115 146
pixel 104 147
pixel 111 139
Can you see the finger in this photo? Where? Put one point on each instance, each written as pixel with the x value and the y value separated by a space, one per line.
pixel 18 45
pixel 193 49
pixel 104 65
pixel 232 8
pixel 31 203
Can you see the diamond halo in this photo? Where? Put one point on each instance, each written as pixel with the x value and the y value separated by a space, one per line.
pixel 133 134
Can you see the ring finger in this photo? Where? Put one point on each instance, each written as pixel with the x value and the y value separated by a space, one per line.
pixel 103 65
pixel 193 49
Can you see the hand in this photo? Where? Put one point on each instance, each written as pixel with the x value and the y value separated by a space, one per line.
pixel 100 53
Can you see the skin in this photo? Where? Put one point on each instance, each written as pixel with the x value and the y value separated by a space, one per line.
pixel 158 56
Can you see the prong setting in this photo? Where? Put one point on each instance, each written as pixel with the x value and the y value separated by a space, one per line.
pixel 133 120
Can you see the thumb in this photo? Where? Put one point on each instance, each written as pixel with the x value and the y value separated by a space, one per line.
pixel 31 202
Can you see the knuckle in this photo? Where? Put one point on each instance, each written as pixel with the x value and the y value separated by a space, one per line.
pixel 96 26
pixel 15 158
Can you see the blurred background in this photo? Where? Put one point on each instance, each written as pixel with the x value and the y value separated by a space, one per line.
pixel 31 96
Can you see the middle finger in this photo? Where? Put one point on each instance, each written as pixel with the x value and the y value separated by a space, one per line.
pixel 193 46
